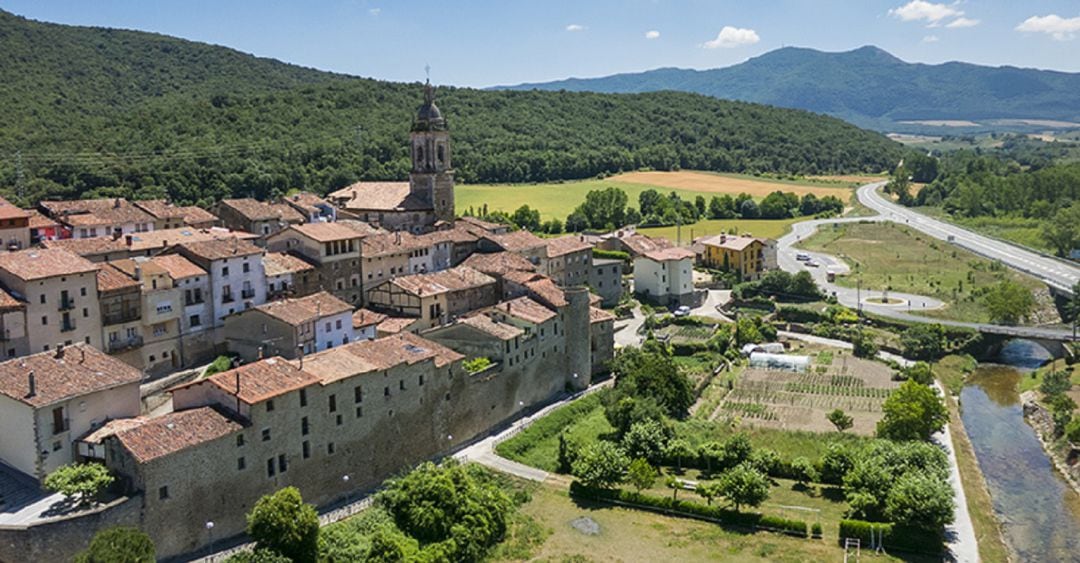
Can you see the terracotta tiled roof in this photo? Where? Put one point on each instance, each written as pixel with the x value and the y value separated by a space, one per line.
pixel 221 248
pixel 595 300
pixel 160 208
pixel 278 263
pixel 737 243
pixel 326 232
pixel 394 325
pixel 521 277
pixel 379 196
pixel 666 254
pixel 640 244
pixel 481 224
pixel 38 220
pixel 454 279
pixel 336 364
pixel 401 348
pixel 308 201
pixel 566 245
pixel 112 427
pixel 80 370
pixel 8 303
pixel 599 315
pixel 455 235
pixel 362 228
pixel 40 263
pixel 198 216
pixel 499 263
pixel 546 290
pixel 366 317
pixel 391 243
pixel 167 434
pixel 9 211
pixel 153 240
pixel 301 310
pixel 177 266
pixel 255 210
pixel 111 280
pixel 261 380
pixel 491 326
pixel 92 212
pixel 516 241
pixel 88 247
pixel 525 309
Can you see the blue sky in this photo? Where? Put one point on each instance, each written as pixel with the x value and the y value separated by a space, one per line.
pixel 488 42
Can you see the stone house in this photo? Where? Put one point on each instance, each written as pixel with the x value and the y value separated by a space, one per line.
pixel 605 278
pixel 89 218
pixel 168 216
pixel 288 327
pixel 235 269
pixel 49 399
pixel 633 243
pixel 334 250
pixel 257 217
pixel 13 341
pixel 120 301
pixel 567 260
pixel 434 298
pixel 288 276
pixel 528 245
pixel 314 208
pixel 601 339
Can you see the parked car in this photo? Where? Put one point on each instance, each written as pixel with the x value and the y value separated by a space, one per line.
pixel 802 257
pixel 682 311
pixel 812 264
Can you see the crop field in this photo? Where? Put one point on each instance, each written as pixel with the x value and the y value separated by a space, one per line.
pixel 768 228
pixel 799 401
pixel 685 334
pixel 734 184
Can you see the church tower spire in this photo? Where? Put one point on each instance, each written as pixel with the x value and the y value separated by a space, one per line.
pixel 432 177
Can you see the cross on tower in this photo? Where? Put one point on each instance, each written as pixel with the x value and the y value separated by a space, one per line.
pixel 427 72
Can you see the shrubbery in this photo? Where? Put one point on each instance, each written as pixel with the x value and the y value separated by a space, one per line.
pixel 900 538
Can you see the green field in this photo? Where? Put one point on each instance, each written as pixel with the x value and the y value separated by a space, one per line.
pixel 768 228
pixel 894 257
pixel 1019 230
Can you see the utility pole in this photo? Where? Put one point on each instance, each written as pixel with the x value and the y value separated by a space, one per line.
pixel 858 295
pixel 19 184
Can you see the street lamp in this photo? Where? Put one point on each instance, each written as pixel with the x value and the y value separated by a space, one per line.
pixel 210 533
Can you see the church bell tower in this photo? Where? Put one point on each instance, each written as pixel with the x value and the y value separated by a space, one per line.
pixel 432 178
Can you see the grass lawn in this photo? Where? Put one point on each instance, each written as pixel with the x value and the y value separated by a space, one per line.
pixel 544 451
pixel 637 535
pixel 768 228
pixel 1032 381
pixel 952 370
pixel 886 255
pixel 992 548
pixel 558 199
pixel 1020 230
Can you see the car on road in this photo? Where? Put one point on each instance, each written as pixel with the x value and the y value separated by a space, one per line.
pixel 682 311
pixel 802 257
pixel 812 264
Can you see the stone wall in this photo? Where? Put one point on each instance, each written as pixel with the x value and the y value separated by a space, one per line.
pixel 61 538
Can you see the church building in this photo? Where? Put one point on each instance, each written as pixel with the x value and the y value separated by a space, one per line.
pixel 428 196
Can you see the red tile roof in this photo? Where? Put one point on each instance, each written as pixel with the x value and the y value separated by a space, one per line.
pixel 566 245
pixel 499 263
pixel 41 263
pixel 112 280
pixel 88 247
pixel 40 221
pixel 379 196
pixel 168 434
pixel 454 279
pixel 732 242
pixel 198 216
pixel 545 290
pixel 8 303
pixel 93 212
pixel 366 317
pixel 394 325
pixel 80 370
pixel 390 243
pixel 481 224
pixel 9 211
pixel 666 254
pixel 220 249
pixel 177 266
pixel 278 263
pixel 261 380
pixel 160 208
pixel 485 323
pixel 326 232
pixel 401 348
pixel 525 309
pixel 301 310
pixel 516 241
pixel 599 315
pixel 255 210
pixel 640 244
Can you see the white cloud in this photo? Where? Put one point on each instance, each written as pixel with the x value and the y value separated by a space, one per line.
pixel 575 27
pixel 375 11
pixel 962 22
pixel 653 34
pixel 930 39
pixel 732 37
pixel 921 10
pixel 1054 25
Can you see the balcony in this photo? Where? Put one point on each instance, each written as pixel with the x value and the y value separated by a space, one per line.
pixel 227 298
pixel 120 318
pixel 60 426
pixel 193 301
pixel 122 344
pixel 67 327
pixel 66 304
pixel 247 293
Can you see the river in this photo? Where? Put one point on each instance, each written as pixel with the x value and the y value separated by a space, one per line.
pixel 1039 511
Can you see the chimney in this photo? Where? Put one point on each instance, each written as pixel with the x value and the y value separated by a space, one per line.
pixel 59 351
pixel 300 351
pixel 116 203
pixel 127 239
pixel 32 383
pixel 82 354
pixel 116 235
pixel 237 372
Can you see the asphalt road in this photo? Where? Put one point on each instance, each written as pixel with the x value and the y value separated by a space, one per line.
pixel 1056 273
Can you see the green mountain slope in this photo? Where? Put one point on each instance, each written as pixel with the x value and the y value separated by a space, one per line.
pixel 97 112
pixel 867 86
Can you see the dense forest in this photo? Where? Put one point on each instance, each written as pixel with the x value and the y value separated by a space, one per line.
pixel 95 112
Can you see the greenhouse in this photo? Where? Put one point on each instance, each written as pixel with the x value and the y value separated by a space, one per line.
pixel 763 360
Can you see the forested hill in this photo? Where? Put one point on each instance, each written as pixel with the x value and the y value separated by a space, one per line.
pixel 96 112
pixel 867 86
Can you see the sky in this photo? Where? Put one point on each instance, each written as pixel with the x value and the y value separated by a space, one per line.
pixel 496 42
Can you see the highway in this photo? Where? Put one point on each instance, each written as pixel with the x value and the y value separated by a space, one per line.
pixel 1056 273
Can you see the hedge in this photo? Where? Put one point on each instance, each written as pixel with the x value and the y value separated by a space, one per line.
pixel 793 314
pixel 892 536
pixel 749 520
pixel 548 426
pixel 611 254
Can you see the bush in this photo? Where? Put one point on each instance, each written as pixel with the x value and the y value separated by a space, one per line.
pixel 476 365
pixel 220 364
pixel 118 545
pixel 751 520
pixel 893 537
pixel 601 464
pixel 282 523
pixel 610 254
pixel 815 530
pixel 85 480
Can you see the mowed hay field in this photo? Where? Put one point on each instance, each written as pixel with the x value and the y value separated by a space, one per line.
pixel 557 200
pixel 768 228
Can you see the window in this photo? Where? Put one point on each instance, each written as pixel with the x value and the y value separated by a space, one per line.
pixel 330 448
pixel 306 449
pixel 421 380
pixel 42 298
pixel 333 403
pixel 195 321
pixel 270 467
pixel 270 405
pixel 247 267
pixel 163 493
pixel 82 291
pixel 358 394
pixel 266 435
pixel 303 397
pixel 239 440
pixel 401 385
pixel 339 420
pixel 44 321
pixel 225 270
pixel 359 412
pixel 328 324
pixel 282 466
pixel 386 391
pixel 304 428
pixel 241 463
pixel 338 324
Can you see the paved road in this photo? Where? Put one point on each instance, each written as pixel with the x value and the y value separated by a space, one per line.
pixel 1056 273
pixel 910 304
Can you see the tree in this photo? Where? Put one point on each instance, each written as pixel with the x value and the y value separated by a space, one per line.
pixel 526 218
pixel 747 331
pixel 643 374
pixel 920 501
pixel 736 450
pixel 912 412
pixel 709 454
pixel 646 439
pixel 699 205
pixel 803 471
pixel 1055 382
pixel 743 486
pixel 86 481
pixel 836 463
pixel 576 222
pixel 863 346
pixel 390 545
pixel 601 464
pixel 603 208
pixel 841 420
pixel 708 490
pixel 920 372
pixel 282 523
pixel 866 485
pixel 119 545
pixel 1062 232
pixel 568 452
pixel 923 341
pixel 640 474
pixel 749 210
pixel 678 449
pixel 1008 302
pixel 808 205
pixel 765 460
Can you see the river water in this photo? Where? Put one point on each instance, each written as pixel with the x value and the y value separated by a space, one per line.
pixel 1039 511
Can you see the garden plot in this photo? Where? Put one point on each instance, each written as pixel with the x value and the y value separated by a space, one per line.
pixel 800 401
